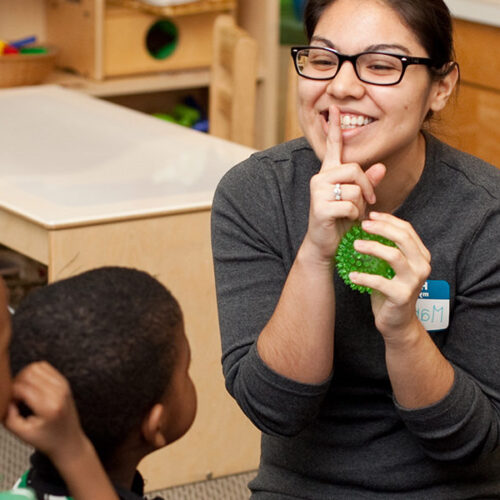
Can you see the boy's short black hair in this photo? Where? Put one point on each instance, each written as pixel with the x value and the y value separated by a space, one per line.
pixel 112 333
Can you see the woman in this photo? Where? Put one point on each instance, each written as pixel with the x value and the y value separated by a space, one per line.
pixel 394 394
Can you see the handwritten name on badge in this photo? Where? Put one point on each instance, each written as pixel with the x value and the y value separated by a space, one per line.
pixel 433 305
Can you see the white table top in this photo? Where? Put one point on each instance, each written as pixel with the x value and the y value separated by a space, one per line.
pixel 68 159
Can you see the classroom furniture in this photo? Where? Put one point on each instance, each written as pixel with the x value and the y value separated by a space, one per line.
pixel 260 18
pixel 101 39
pixel 469 122
pixel 86 183
pixel 233 83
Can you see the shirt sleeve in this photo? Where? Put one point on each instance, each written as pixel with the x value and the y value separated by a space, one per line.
pixel 465 424
pixel 252 255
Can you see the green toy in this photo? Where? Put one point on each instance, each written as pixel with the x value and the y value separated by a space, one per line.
pixel 182 115
pixel 348 259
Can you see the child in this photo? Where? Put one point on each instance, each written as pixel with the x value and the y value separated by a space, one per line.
pixel 53 421
pixel 117 335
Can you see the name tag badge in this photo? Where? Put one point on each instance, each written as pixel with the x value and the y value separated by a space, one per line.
pixel 433 305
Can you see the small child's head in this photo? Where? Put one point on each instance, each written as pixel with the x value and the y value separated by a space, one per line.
pixel 117 335
pixel 5 334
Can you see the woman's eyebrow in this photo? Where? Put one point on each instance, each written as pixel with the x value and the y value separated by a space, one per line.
pixel 371 48
pixel 325 41
pixel 388 46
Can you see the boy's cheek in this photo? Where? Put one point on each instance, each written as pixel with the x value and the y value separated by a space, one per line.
pixel 5 383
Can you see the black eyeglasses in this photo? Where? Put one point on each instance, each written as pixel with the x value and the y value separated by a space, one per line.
pixel 376 68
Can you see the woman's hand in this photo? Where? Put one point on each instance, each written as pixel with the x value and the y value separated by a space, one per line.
pixel 394 301
pixel 329 218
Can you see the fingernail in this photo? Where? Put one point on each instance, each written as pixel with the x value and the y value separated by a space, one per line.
pixel 366 224
pixel 357 244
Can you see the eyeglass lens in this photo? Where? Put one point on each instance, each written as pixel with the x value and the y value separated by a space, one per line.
pixel 370 67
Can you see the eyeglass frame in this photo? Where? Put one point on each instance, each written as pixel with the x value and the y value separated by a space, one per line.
pixel 405 61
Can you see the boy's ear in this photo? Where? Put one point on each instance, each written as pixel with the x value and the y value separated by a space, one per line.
pixel 153 426
pixel 444 89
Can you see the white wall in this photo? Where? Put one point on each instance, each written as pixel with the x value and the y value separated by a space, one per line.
pixel 480 11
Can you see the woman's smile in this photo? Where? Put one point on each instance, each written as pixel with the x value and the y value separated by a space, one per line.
pixel 354 121
pixel 379 123
pixel 349 120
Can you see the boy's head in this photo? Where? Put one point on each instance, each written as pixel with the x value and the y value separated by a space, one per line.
pixel 4 350
pixel 117 335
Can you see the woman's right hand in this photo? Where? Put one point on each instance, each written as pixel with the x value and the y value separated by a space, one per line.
pixel 330 219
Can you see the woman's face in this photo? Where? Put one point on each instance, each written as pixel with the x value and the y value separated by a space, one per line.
pixel 394 114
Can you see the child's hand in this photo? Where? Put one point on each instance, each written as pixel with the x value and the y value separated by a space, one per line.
pixel 53 427
pixel 4 350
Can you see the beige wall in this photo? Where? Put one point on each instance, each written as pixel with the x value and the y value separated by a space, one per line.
pixel 22 18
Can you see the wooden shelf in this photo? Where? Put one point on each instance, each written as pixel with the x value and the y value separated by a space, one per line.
pixel 171 80
pixel 200 6
pixel 158 82
pixel 259 17
pixel 467 122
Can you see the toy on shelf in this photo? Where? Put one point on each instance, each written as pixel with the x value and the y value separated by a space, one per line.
pixel 22 46
pixel 188 114
pixel 22 62
pixel 348 259
pixel 8 49
pixel 23 42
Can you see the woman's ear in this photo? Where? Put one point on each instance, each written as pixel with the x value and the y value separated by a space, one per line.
pixel 153 426
pixel 443 89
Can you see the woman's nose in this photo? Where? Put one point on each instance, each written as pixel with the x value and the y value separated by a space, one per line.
pixel 346 83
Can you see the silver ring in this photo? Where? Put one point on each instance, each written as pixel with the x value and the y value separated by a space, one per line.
pixel 337 191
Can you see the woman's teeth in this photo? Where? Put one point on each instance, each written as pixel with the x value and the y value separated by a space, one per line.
pixel 353 121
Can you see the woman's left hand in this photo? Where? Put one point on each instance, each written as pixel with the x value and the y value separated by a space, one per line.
pixel 394 300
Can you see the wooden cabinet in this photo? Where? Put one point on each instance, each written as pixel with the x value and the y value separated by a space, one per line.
pixel 470 121
pixel 259 17
pixel 138 198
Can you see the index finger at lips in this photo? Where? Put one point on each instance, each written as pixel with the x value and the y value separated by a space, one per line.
pixel 333 153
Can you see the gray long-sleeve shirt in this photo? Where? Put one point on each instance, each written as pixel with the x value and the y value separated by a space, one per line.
pixel 348 438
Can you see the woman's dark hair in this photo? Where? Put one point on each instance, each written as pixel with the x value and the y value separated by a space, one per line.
pixel 430 20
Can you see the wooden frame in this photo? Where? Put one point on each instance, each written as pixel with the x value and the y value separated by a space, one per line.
pixel 468 121
pixel 90 35
pixel 233 83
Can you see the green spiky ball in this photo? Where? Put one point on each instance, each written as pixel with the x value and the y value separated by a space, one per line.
pixel 347 259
